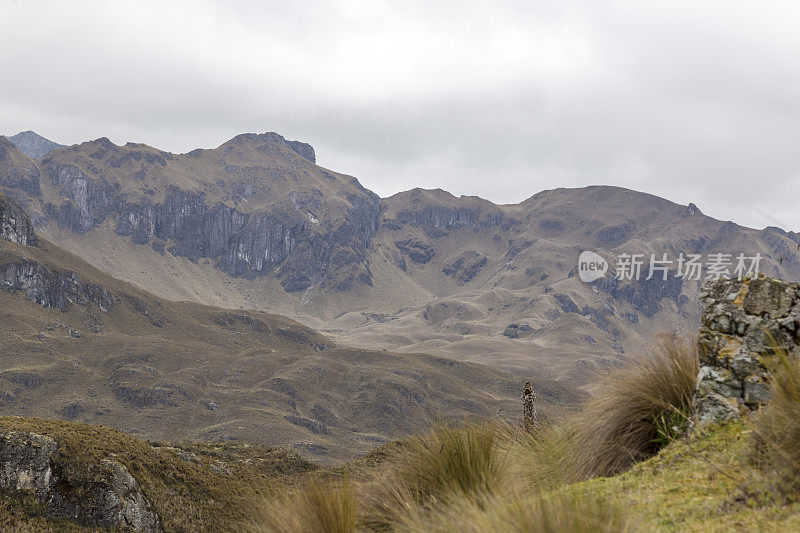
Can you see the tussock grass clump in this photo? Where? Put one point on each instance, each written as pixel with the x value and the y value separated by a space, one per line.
pixel 637 411
pixel 320 505
pixel 542 458
pixel 447 464
pixel 777 426
pixel 531 513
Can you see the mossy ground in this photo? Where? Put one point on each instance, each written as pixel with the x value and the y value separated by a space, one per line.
pixel 705 484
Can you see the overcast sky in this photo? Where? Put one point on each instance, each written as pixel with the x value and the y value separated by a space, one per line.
pixel 694 101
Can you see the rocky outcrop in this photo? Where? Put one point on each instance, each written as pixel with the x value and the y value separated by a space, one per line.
pixel 744 323
pixel 514 331
pixel 19 178
pixel 440 210
pixel 645 295
pixel 465 267
pixel 418 250
pixel 120 503
pixel 52 288
pixel 313 426
pixel 29 463
pixel 25 462
pixel 49 288
pixel 15 225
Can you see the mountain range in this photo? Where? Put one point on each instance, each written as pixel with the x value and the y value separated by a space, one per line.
pixel 257 224
pixel 83 346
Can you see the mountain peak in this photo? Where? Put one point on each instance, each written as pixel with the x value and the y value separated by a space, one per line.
pixel 34 145
pixel 303 149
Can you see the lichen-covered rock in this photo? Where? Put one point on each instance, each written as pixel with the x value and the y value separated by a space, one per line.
pixel 14 224
pixel 25 462
pixel 744 323
pixel 28 462
pixel 121 503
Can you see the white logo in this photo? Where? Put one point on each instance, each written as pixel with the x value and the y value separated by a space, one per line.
pixel 591 266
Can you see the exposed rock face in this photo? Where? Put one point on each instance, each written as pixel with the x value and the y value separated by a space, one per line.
pixel 418 250
pixel 15 225
pixel 465 267
pixel 440 210
pixel 46 287
pixel 273 207
pixel 743 324
pixel 644 294
pixel 19 176
pixel 34 145
pixel 312 425
pixel 29 462
pixel 25 462
pixel 121 503
pixel 51 288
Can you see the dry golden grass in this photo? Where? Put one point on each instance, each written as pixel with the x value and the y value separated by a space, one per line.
pixel 637 411
pixel 448 463
pixel 777 426
pixel 529 513
pixel 319 505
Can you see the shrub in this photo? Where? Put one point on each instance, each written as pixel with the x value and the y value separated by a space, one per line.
pixel 323 505
pixel 637 410
pixel 777 426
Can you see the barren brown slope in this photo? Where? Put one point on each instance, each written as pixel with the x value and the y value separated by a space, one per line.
pixel 81 345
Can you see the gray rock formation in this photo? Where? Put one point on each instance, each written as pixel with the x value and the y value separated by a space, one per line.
pixel 418 250
pixel 34 145
pixel 242 240
pixel 25 462
pixel 15 225
pixel 744 323
pixel 50 288
pixel 121 503
pixel 29 462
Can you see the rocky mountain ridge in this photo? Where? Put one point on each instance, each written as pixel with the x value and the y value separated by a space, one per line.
pixel 255 223
pixel 273 205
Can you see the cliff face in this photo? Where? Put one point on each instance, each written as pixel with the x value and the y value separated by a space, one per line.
pixel 14 224
pixel 254 203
